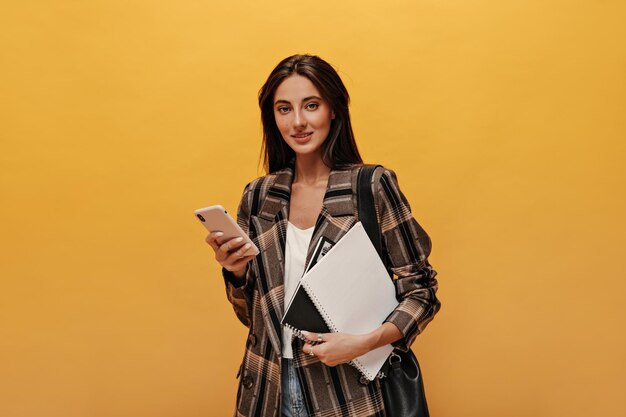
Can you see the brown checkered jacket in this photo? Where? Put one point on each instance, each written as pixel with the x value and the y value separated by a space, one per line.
pixel 263 213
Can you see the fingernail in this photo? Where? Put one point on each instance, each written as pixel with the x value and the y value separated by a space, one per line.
pixel 218 234
pixel 246 246
pixel 304 332
pixel 239 239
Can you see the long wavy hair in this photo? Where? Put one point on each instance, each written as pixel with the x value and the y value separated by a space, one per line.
pixel 339 150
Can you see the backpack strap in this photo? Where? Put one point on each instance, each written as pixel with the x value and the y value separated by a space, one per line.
pixel 367 206
pixel 367 216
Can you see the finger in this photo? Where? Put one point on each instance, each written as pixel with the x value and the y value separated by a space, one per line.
pixel 307 349
pixel 238 254
pixel 211 239
pixel 240 263
pixel 309 336
pixel 227 246
pixel 317 337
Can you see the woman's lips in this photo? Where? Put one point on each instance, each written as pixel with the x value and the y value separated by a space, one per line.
pixel 302 137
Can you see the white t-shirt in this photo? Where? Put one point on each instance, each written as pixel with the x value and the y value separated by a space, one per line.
pixel 297 245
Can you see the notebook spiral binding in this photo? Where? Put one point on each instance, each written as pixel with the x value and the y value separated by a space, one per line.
pixel 296 332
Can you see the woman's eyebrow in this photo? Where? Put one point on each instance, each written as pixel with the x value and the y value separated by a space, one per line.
pixel 304 99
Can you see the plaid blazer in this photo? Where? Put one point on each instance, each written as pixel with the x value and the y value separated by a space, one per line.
pixel 263 213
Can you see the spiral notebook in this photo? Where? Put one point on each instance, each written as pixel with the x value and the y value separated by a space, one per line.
pixel 347 290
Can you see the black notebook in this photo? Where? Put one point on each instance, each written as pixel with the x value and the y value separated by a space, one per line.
pixel 301 313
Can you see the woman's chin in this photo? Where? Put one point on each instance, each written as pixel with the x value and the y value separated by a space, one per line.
pixel 307 152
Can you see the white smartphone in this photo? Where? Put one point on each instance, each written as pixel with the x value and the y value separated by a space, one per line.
pixel 217 219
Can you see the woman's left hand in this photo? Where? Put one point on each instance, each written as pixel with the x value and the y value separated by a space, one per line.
pixel 336 348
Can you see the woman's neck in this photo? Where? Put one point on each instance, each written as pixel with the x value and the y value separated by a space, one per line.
pixel 310 169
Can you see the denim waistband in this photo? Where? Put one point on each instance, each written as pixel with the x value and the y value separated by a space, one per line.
pixel 292 399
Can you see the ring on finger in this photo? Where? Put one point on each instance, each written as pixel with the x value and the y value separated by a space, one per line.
pixel 311 351
pixel 319 338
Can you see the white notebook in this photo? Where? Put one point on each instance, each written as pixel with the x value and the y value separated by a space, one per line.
pixel 353 292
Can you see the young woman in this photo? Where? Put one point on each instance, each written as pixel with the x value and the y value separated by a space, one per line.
pixel 309 193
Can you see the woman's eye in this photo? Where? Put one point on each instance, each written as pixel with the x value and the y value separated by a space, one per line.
pixel 314 106
pixel 283 110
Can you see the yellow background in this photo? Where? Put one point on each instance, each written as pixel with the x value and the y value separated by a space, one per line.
pixel 504 120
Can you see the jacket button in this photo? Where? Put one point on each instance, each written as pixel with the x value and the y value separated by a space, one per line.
pixel 363 380
pixel 252 340
pixel 247 381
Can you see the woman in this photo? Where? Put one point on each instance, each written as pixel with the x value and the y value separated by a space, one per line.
pixel 312 160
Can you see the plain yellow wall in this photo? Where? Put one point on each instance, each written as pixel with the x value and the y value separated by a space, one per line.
pixel 504 120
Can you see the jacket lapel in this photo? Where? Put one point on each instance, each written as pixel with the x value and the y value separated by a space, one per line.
pixel 336 217
pixel 337 213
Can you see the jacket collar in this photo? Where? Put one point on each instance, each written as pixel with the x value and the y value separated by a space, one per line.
pixel 337 198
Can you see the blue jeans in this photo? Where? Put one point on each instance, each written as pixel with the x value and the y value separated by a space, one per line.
pixel 292 400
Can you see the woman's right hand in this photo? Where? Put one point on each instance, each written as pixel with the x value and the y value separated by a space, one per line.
pixel 229 253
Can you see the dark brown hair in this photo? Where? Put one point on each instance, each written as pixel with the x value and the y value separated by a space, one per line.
pixel 339 149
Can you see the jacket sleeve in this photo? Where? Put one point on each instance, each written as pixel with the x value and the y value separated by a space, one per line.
pixel 240 296
pixel 406 247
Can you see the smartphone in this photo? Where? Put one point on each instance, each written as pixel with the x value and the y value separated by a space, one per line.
pixel 217 219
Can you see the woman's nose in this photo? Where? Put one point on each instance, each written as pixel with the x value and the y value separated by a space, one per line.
pixel 298 119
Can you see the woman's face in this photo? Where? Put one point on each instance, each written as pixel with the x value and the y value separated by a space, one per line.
pixel 302 116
